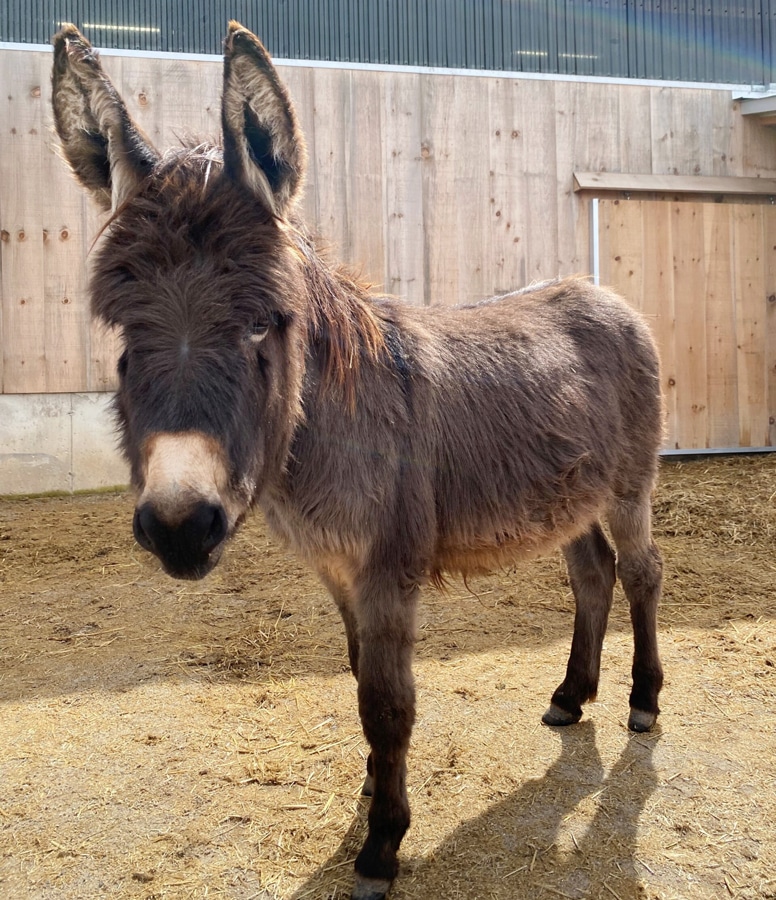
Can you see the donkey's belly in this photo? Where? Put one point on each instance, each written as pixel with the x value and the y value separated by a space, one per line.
pixel 484 549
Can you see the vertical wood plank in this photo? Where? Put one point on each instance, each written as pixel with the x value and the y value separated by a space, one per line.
pixel 441 272
pixel 749 286
pixel 719 299
pixel 725 124
pixel 756 146
pixel 634 115
pixel 332 126
pixel 403 187
pixel 708 273
pixel 689 280
pixel 541 181
pixel 570 146
pixel 104 350
pixel 174 101
pixel 624 242
pixel 659 304
pixel 365 183
pixel 470 139
pixel 507 188
pixel 632 232
pixel 188 98
pixel 621 246
pixel 604 242
pixel 21 226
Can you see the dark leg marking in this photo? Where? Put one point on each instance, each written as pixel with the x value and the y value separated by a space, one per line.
pixel 640 568
pixel 386 702
pixel 591 565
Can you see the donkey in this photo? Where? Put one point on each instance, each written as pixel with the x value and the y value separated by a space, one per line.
pixel 388 444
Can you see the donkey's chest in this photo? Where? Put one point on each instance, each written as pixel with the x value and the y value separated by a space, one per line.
pixel 320 528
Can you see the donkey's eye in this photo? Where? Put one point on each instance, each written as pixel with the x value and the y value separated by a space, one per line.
pixel 258 331
pixel 124 275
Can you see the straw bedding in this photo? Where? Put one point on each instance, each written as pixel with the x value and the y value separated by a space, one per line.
pixel 170 740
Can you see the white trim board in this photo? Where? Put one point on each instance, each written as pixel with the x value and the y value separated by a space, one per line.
pixel 735 89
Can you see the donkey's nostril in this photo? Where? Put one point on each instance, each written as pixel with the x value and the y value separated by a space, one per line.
pixel 142 526
pixel 212 525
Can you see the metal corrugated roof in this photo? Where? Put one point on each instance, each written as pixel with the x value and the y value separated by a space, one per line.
pixel 679 40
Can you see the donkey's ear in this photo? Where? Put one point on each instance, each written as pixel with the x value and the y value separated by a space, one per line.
pixel 263 144
pixel 108 153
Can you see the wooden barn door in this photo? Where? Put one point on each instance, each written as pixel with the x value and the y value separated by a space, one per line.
pixel 704 275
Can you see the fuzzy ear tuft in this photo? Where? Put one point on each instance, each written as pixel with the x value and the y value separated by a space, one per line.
pixel 263 145
pixel 108 153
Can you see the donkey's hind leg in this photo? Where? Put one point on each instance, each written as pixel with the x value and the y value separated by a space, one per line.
pixel 640 568
pixel 590 562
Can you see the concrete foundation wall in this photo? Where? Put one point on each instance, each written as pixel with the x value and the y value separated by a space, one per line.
pixel 58 442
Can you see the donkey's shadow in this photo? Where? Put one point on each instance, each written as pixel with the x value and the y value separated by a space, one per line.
pixel 519 846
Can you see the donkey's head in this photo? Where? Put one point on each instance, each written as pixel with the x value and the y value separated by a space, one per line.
pixel 200 271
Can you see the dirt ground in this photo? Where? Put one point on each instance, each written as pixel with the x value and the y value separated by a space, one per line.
pixel 176 740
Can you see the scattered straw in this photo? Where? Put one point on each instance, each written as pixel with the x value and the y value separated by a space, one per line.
pixel 160 740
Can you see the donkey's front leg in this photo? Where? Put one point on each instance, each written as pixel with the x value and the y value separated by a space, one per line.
pixel 386 702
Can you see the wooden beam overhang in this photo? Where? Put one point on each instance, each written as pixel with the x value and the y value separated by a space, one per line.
pixel 625 182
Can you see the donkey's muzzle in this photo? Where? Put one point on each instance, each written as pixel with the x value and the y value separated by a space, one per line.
pixel 187 548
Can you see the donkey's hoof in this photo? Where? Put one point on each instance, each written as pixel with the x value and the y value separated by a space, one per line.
pixel 368 787
pixel 370 888
pixel 641 720
pixel 557 716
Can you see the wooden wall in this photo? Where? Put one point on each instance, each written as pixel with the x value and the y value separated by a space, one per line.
pixel 438 187
pixel 704 275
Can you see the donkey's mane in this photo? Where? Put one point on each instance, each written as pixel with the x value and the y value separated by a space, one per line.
pixel 344 321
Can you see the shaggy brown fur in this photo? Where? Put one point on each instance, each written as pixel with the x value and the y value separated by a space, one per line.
pixel 387 444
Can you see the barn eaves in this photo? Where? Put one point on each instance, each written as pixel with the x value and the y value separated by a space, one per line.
pixel 761 105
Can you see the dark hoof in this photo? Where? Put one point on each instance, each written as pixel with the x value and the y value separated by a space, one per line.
pixel 370 888
pixel 368 788
pixel 641 720
pixel 557 716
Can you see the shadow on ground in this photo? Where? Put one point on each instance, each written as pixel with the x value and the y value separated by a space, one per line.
pixel 528 845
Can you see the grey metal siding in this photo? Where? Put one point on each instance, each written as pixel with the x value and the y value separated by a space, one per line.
pixel 726 41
